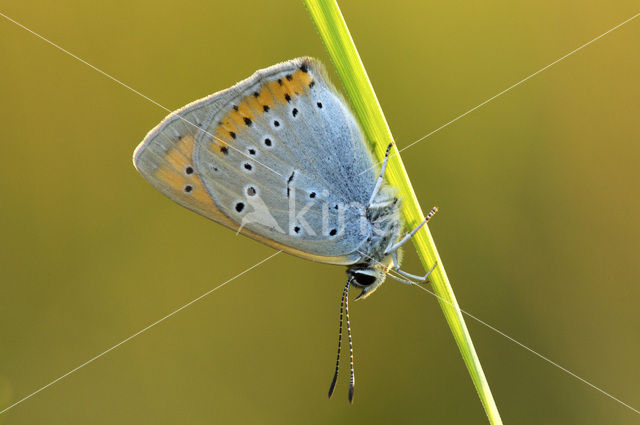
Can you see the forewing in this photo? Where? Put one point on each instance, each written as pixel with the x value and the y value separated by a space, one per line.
pixel 279 157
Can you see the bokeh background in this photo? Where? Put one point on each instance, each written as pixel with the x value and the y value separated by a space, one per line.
pixel 538 227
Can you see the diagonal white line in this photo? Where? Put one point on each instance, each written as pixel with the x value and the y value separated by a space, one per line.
pixel 268 258
pixel 512 87
pixel 84 62
pixel 531 350
pixel 114 79
pixel 520 82
pixel 511 339
pixel 138 333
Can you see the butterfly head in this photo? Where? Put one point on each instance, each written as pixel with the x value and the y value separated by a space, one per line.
pixel 367 278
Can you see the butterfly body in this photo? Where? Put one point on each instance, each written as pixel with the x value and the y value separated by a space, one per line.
pixel 383 215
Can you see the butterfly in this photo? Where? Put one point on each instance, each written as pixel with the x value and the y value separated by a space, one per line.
pixel 280 158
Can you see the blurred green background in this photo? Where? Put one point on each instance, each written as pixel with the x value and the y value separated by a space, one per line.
pixel 538 228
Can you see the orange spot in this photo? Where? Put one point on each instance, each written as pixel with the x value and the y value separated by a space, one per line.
pixel 294 85
pixel 265 97
pixel 172 174
pixel 185 145
pixel 254 104
pixel 299 83
pixel 171 178
pixel 236 117
pixel 177 182
pixel 244 109
pixel 304 78
pixel 277 91
pixel 227 125
pixel 180 155
pixel 288 91
pixel 219 148
pixel 223 132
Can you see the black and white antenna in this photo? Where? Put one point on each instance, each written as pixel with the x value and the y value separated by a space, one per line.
pixel 344 305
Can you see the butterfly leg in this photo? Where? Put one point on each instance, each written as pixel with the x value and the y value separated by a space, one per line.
pixel 409 235
pixel 416 278
pixel 381 176
pixel 398 279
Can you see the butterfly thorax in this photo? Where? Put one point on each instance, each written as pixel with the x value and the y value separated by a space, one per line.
pixel 383 215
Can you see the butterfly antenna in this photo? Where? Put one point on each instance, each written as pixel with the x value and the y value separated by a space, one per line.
pixel 335 375
pixel 352 382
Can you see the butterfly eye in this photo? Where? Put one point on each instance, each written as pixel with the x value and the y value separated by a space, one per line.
pixel 364 279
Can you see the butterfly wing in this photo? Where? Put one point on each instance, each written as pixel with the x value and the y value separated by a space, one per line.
pixel 279 157
pixel 164 158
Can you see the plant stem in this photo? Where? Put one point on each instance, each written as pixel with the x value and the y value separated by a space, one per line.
pixel 336 37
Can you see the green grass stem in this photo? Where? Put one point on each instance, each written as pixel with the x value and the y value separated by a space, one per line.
pixel 334 33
